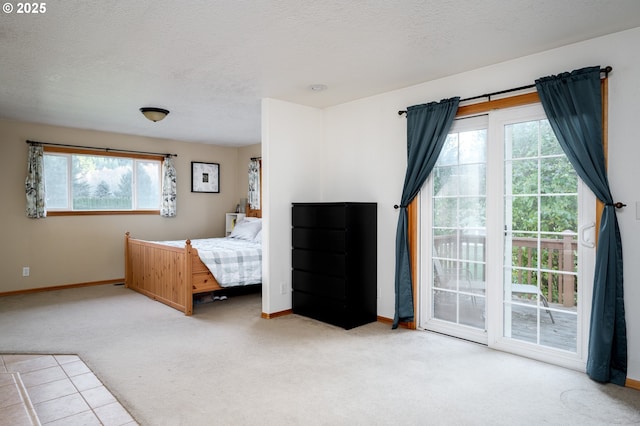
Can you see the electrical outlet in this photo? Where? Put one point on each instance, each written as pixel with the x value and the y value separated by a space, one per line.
pixel 283 288
pixel 26 271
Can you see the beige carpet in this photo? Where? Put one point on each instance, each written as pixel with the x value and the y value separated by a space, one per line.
pixel 227 366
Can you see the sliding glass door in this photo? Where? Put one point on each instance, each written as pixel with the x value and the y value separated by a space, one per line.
pixel 507 243
pixel 455 240
pixel 547 243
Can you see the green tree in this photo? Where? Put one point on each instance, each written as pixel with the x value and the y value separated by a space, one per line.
pixel 125 186
pixel 542 181
pixel 541 177
pixel 102 190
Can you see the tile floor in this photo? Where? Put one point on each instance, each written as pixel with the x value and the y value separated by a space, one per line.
pixel 61 390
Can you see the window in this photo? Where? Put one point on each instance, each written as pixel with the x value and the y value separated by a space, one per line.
pixel 90 182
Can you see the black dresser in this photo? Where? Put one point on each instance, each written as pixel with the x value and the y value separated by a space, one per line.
pixel 334 261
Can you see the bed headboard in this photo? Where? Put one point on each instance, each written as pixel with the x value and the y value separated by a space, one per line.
pixel 253 212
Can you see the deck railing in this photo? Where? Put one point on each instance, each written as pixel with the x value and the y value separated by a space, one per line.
pixel 558 262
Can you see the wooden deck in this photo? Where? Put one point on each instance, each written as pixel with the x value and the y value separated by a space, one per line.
pixel 561 333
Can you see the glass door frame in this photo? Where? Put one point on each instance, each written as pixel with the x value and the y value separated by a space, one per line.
pixel 586 255
pixel 425 293
pixel 493 335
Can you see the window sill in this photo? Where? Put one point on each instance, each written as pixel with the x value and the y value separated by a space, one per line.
pixel 102 212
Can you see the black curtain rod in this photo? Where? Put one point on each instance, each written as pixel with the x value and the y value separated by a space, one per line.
pixel 256 158
pixel 605 70
pixel 102 149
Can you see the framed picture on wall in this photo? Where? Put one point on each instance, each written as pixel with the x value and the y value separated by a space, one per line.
pixel 205 177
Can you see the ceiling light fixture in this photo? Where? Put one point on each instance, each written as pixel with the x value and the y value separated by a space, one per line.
pixel 318 87
pixel 154 114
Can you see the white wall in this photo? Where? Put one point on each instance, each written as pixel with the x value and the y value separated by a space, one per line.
pixel 292 138
pixel 366 160
pixel 365 150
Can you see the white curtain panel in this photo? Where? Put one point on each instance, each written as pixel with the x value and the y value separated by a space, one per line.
pixel 254 184
pixel 168 208
pixel 34 183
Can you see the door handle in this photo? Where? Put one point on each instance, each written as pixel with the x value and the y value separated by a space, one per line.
pixel 588 240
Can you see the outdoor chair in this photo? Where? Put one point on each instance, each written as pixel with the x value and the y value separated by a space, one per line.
pixel 531 289
pixel 446 276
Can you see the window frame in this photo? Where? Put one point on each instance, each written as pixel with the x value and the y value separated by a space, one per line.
pixel 105 153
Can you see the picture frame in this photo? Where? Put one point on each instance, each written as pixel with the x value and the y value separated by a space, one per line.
pixel 205 177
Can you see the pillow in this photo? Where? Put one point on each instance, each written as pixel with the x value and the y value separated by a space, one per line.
pixel 251 218
pixel 246 230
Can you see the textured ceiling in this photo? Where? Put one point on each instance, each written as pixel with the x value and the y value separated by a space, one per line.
pixel 93 64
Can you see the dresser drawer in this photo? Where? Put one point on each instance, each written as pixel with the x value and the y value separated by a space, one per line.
pixel 318 216
pixel 334 262
pixel 321 308
pixel 319 239
pixel 322 285
pixel 319 262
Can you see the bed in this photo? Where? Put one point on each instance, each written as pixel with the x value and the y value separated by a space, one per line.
pixel 172 272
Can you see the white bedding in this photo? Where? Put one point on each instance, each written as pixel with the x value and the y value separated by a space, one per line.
pixel 233 262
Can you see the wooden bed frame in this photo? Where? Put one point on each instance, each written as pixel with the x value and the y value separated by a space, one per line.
pixel 170 275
